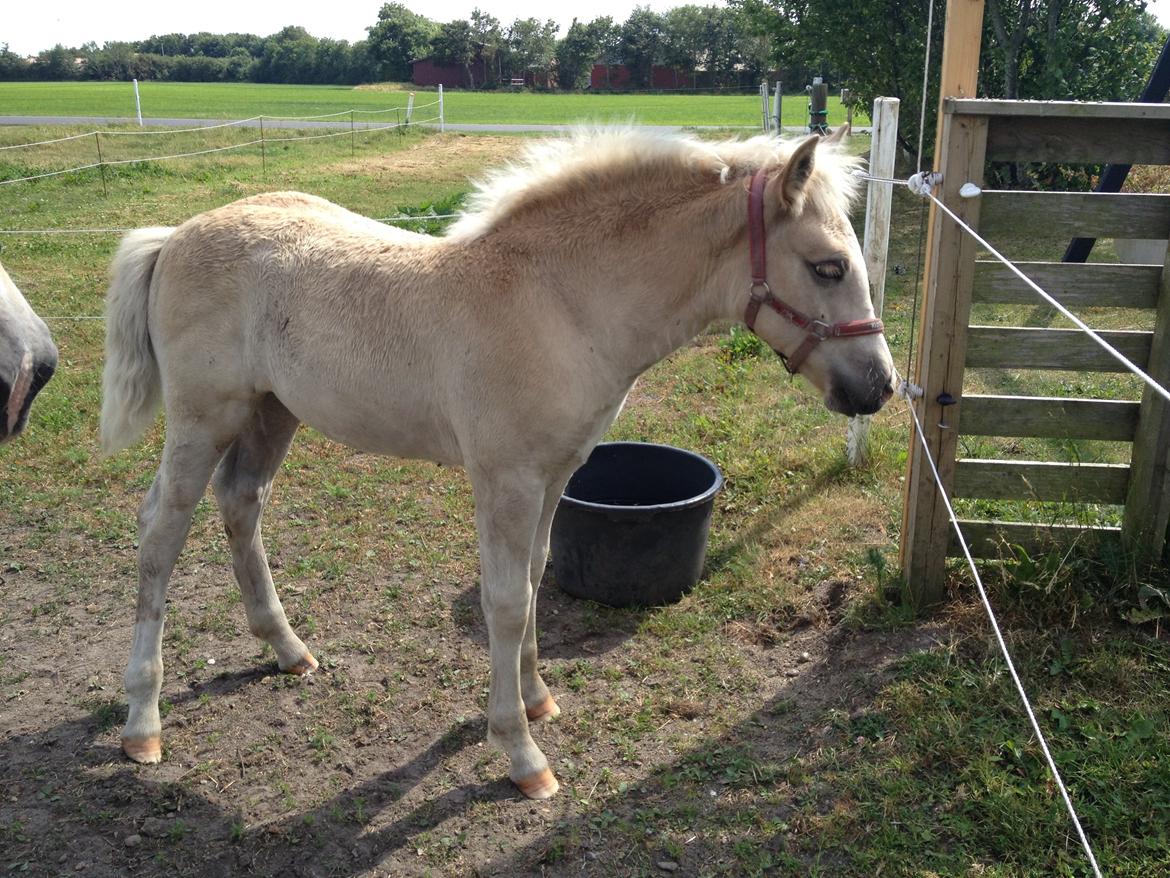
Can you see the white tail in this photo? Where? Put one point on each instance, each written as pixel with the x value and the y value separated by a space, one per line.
pixel 131 392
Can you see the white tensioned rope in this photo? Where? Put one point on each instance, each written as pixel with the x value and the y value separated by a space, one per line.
pixel 46 142
pixel 1003 645
pixel 306 118
pixel 923 186
pixel 181 155
pixel 151 158
pixel 401 218
pixel 50 174
pixel 148 133
pixel 115 133
pixel 1112 351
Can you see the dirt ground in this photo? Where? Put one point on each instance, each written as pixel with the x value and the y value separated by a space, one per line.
pixel 376 765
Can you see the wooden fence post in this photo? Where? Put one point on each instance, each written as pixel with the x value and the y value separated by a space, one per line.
pixel 876 243
pixel 776 99
pixel 1147 505
pixel 97 139
pixel 946 305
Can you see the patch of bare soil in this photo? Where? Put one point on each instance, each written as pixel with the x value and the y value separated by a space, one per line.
pixel 441 159
pixel 377 764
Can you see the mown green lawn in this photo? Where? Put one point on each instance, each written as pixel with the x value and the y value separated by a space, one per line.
pixel 700 733
pixel 243 100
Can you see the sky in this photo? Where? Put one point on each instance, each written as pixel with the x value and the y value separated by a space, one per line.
pixel 74 22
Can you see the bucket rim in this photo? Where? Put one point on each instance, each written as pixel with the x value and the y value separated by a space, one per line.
pixel 687 503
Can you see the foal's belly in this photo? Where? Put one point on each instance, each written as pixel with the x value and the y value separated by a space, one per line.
pixel 376 423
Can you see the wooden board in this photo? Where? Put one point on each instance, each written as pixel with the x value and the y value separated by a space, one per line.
pixel 1042 480
pixel 1076 285
pixel 1079 140
pixel 1063 109
pixel 991 539
pixel 1048 417
pixel 1016 347
pixel 1030 215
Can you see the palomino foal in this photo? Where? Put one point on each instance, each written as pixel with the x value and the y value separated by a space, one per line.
pixel 507 347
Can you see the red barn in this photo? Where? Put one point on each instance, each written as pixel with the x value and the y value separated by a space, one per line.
pixel 616 77
pixel 427 71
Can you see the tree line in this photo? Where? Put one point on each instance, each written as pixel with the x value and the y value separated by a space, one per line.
pixel 1053 49
pixel 722 42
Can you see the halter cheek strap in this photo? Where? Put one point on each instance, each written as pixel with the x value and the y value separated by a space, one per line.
pixel 761 293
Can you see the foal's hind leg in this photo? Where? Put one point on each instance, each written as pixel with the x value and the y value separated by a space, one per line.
pixel 243 484
pixel 164 519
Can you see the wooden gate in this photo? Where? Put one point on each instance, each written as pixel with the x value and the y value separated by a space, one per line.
pixel 975 133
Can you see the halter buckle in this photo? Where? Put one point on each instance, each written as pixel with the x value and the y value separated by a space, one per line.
pixel 820 330
pixel 755 288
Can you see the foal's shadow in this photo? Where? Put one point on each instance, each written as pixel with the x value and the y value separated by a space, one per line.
pixel 566 627
pixel 54 775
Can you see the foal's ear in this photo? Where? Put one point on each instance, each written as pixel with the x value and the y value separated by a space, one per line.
pixel 785 191
pixel 840 134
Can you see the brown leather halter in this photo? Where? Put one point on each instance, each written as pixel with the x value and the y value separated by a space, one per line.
pixel 761 293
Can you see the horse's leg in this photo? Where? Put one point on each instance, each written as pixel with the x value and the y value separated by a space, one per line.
pixel 538 702
pixel 189 455
pixel 243 484
pixel 508 508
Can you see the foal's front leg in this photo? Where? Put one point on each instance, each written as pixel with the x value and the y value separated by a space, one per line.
pixel 508 510
pixel 538 701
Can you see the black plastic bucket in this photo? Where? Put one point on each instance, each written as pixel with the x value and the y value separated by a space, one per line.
pixel 631 528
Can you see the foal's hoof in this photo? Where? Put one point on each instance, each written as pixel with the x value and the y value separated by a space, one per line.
pixel 547 709
pixel 541 785
pixel 146 750
pixel 306 665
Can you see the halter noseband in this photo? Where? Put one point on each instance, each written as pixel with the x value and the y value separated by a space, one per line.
pixel 761 293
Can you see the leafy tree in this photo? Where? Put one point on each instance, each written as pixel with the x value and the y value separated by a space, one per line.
pixel 532 45
pixel 609 42
pixel 1056 49
pixel 12 66
pixel 56 63
pixel 399 37
pixel 485 31
pixel 1069 49
pixel 288 56
pixel 113 61
pixel 641 44
pixel 166 44
pixel 575 55
pixel 455 44
pixel 609 39
pixel 686 36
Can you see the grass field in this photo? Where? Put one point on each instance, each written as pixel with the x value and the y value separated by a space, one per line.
pixel 784 719
pixel 244 100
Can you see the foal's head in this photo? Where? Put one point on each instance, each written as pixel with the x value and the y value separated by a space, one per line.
pixel 27 357
pixel 815 269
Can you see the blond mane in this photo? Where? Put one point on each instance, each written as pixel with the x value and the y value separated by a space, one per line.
pixel 588 158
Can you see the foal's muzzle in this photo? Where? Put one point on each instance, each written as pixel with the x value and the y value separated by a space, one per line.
pixel 860 396
pixel 19 387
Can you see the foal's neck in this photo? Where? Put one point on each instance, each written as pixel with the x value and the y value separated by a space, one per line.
pixel 649 269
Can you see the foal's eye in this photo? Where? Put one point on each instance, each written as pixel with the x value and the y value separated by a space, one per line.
pixel 830 269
